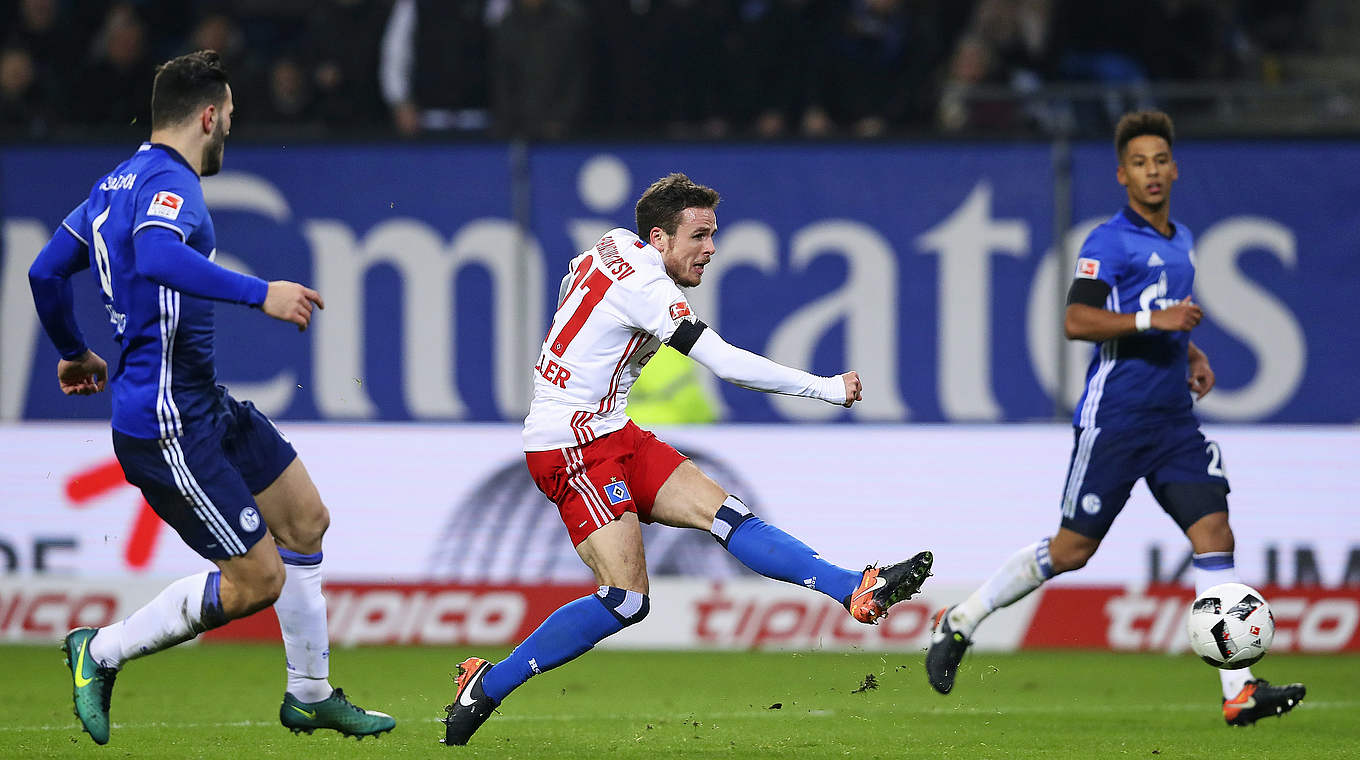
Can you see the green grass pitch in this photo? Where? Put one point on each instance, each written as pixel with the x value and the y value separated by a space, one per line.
pixel 221 701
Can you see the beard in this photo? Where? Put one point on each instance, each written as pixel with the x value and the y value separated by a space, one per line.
pixel 212 152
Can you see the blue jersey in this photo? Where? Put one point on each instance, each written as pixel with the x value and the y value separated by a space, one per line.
pixel 165 378
pixel 1137 380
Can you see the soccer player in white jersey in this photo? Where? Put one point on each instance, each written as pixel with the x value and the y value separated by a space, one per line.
pixel 1131 295
pixel 620 301
pixel 215 469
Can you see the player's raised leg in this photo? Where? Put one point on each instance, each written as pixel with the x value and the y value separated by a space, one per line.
pixel 691 499
pixel 299 519
pixel 614 553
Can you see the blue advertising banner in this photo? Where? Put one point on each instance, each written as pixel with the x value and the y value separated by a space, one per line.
pixel 928 268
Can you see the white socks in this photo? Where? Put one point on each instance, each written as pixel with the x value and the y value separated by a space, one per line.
pixel 176 615
pixel 1211 569
pixel 1025 571
pixel 302 619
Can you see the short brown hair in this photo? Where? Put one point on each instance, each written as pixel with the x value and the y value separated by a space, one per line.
pixel 185 84
pixel 1140 123
pixel 662 204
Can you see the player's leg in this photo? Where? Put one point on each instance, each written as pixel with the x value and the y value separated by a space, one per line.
pixel 190 486
pixel 1100 475
pixel 615 554
pixel 298 520
pixel 297 517
pixel 1192 487
pixel 597 507
pixel 688 498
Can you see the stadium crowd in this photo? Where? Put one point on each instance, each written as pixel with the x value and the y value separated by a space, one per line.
pixel 550 69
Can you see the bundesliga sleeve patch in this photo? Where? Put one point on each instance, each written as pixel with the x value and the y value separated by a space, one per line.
pixel 165 205
pixel 680 310
pixel 1088 268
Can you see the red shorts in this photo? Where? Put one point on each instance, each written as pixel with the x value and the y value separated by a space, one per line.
pixel 594 484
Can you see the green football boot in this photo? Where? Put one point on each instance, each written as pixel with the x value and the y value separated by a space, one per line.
pixel 92 684
pixel 334 712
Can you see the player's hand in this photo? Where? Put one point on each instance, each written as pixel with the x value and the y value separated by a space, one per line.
pixel 1201 377
pixel 853 388
pixel 291 302
pixel 1179 318
pixel 82 376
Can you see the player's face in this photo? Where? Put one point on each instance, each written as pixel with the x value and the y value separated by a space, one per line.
pixel 1147 171
pixel 217 144
pixel 686 253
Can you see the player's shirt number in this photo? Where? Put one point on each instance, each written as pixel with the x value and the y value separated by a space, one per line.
pixel 101 254
pixel 594 285
pixel 1215 460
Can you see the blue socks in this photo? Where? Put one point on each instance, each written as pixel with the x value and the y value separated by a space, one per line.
pixel 576 628
pixel 568 633
pixel 775 554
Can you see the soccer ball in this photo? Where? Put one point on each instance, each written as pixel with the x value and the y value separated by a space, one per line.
pixel 1230 626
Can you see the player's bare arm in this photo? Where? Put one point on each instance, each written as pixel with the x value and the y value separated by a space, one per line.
pixel 1201 375
pixel 1085 322
pixel 290 302
pixel 82 376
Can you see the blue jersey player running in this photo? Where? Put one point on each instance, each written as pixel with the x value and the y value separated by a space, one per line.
pixel 215 469
pixel 1131 295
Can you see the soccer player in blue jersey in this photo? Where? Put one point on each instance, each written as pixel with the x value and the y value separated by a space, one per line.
pixel 215 469
pixel 1131 295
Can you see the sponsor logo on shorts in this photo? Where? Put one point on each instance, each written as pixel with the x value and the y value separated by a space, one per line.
pixel 250 519
pixel 1090 504
pixel 617 492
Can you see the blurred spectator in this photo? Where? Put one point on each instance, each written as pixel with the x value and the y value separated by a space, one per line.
pixel 623 66
pixel 1093 40
pixel 774 50
pixel 115 89
pixel 290 99
pixel 222 32
pixel 433 66
pixel 1194 43
pixel 960 107
pixel 879 69
pixel 688 61
pixel 1017 32
pixel 22 104
pixel 341 45
pixel 39 27
pixel 1006 46
pixel 539 69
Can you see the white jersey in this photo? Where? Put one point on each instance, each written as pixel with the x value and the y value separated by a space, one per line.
pixel 616 307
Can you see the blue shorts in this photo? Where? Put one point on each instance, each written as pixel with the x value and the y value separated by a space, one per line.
pixel 1184 472
pixel 203 483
